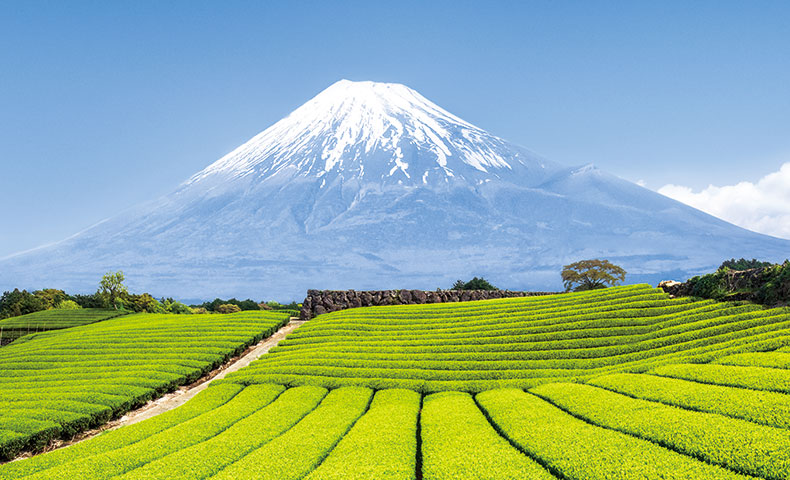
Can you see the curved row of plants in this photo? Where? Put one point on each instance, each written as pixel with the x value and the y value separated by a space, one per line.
pixel 612 428
pixel 58 383
pixel 15 327
pixel 518 342
pixel 723 417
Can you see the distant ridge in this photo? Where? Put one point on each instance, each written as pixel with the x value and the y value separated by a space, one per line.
pixel 372 186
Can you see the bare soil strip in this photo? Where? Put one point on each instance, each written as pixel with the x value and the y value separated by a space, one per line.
pixel 183 394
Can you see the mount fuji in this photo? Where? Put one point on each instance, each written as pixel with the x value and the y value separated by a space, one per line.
pixel 372 186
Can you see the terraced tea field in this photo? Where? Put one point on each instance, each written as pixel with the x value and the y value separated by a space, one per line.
pixel 519 342
pixel 58 383
pixel 617 384
pixel 15 327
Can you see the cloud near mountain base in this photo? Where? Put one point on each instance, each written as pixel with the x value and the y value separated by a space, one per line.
pixel 763 206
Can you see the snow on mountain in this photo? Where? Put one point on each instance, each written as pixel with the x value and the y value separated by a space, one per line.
pixel 370 185
pixel 393 131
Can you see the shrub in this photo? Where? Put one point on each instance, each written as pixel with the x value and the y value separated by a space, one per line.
pixel 67 305
pixel 516 342
pixel 712 286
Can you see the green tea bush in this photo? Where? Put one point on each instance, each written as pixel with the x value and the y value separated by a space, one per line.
pixel 576 449
pixel 103 369
pixel 736 444
pixel 767 408
pixel 204 402
pixel 653 406
pixel 777 359
pixel 458 442
pixel 756 378
pixel 298 451
pixel 113 463
pixel 381 445
pixel 55 319
pixel 208 458
pixel 514 342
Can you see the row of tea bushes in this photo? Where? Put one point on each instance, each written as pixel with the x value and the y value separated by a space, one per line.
pixel 736 444
pixel 15 327
pixel 569 431
pixel 517 342
pixel 58 383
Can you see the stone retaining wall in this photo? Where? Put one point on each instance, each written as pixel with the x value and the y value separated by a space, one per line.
pixel 324 301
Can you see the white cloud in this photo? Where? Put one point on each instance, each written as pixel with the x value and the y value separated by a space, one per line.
pixel 763 206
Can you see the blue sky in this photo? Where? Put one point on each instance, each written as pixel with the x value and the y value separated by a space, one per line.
pixel 107 104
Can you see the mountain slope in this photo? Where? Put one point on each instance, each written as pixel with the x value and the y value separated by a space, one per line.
pixel 370 185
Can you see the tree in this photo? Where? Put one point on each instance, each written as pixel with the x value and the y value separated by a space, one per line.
pixel 213 305
pixel 228 308
pixel 743 264
pixel 272 305
pixel 13 304
pixel 248 304
pixel 88 301
pixel 112 287
pixel 591 274
pixel 141 303
pixel 473 284
pixel 51 297
pixel 173 306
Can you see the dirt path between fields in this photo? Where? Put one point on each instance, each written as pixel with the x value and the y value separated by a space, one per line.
pixel 185 393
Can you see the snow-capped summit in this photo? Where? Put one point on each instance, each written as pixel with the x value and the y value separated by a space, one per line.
pixel 377 132
pixel 372 186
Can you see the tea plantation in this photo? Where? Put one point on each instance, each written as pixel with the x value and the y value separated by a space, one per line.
pixel 58 383
pixel 623 383
pixel 15 327
pixel 519 342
